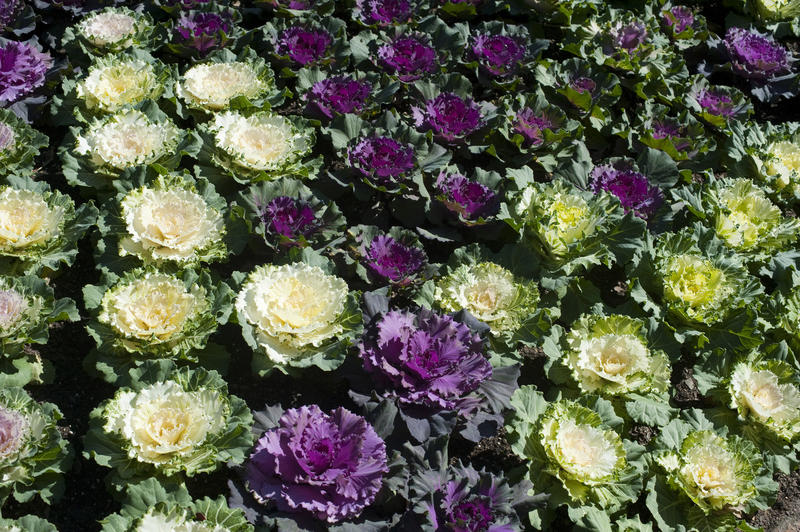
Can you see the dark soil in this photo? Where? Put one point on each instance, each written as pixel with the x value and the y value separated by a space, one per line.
pixel 784 516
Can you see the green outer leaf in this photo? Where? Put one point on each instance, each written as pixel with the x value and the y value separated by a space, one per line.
pixel 18 159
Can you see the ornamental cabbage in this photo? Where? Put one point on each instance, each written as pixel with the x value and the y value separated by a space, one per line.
pixel 409 57
pixel 114 29
pixel 755 55
pixel 327 465
pixel 212 86
pixel 304 46
pixel 390 259
pixel 260 145
pixel 339 94
pixel 33 453
pixel 766 392
pixel 450 116
pixel 23 68
pixel 499 55
pixel 201 31
pixel 171 221
pixel 777 9
pixel 117 81
pixel 292 312
pixel 126 139
pixel 383 12
pixel 610 355
pixel 783 162
pixel 169 421
pixel 29 220
pixel 382 159
pixel 471 200
pixel 19 145
pixel 632 188
pixel 489 292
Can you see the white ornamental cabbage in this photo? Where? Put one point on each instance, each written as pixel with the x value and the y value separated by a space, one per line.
pixel 113 28
pixel 696 286
pixel 764 392
pixel 579 448
pixel 714 472
pixel 127 139
pixel 261 141
pixel 212 86
pixel 28 220
pixel 292 308
pixel 163 422
pixel 114 82
pixel 151 312
pixel 155 521
pixel 490 293
pixel 610 355
pixel 170 223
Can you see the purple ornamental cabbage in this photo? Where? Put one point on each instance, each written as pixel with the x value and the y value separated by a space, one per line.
pixel 290 218
pixel 754 55
pixel 449 116
pixel 409 58
pixel 384 12
pixel 201 30
pixel 633 189
pixel 297 5
pixel 532 126
pixel 679 18
pixel 499 55
pixel 716 103
pixel 392 260
pixel 304 46
pixel 22 70
pixel 581 85
pixel 425 359
pixel 8 12
pixel 470 199
pixel 382 159
pixel 339 94
pixel 627 36
pixel 667 129
pixel 328 465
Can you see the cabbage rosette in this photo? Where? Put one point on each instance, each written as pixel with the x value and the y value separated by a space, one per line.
pixel 33 454
pixel 110 30
pixel 717 105
pixel 499 290
pixel 173 219
pixel 296 315
pixel 253 146
pixel 198 32
pixel 384 155
pixel 571 229
pixel 27 309
pixel 432 372
pixel 313 469
pixel 466 197
pixel 150 506
pixel 781 311
pixel 227 81
pixel 533 129
pixel 114 146
pixel 619 357
pixel 501 54
pixel 758 394
pixel 289 216
pixel 744 217
pixel 581 89
pixel 146 313
pixel 358 92
pixel 305 42
pixel 574 453
pixel 694 282
pixel 685 28
pixel 704 478
pixel 40 227
pixel 395 258
pixel 111 84
pixel 168 422
pixel 27 523
pixel 20 144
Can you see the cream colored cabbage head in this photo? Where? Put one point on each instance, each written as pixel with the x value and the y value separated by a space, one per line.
pixel 109 26
pixel 116 82
pixel 213 85
pixel 163 421
pixel 697 285
pixel 748 217
pixel 261 141
pixel 168 224
pixel 758 392
pixel 27 219
pixel 127 139
pixel 293 308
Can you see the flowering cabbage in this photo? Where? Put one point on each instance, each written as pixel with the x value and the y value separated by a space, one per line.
pixel 472 200
pixel 304 46
pixel 9 12
pixel 39 228
pixel 434 368
pixel 23 68
pixel 148 506
pixel 19 145
pixel 127 139
pixel 383 12
pixel 409 57
pixel 574 453
pixel 295 315
pixel 169 421
pixel 382 159
pixel 327 465
pixel 767 392
pixel 339 94
pixel 146 313
pixel 396 257
pixel 33 453
pixel 754 55
pixel 709 472
pixel 632 188
pixel 117 81
pixel 717 104
pixel 226 80
pixel 450 117
pixel 258 146
pixel 200 32
pixel 171 221
pixel 683 26
pixel 777 9
pixel 115 28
